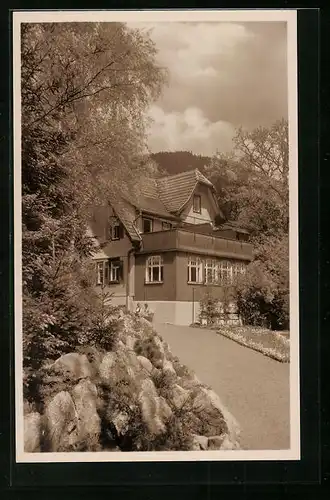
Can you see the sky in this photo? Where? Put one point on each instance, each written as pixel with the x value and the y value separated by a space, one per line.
pixel 221 76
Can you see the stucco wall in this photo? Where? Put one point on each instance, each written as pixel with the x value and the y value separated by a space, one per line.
pixel 193 292
pixel 155 291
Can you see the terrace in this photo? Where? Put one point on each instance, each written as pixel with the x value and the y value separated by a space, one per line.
pixel 179 239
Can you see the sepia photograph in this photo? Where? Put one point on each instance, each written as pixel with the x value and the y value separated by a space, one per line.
pixel 156 235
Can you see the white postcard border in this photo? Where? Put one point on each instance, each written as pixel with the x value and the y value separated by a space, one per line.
pixel 270 15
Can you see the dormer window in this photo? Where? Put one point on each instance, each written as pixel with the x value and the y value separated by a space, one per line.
pixel 147 225
pixel 116 231
pixel 197 203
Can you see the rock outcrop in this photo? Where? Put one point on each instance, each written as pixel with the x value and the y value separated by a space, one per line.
pixel 139 393
pixel 32 432
pixel 74 363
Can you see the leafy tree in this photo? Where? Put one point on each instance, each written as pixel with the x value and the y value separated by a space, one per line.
pixel 252 182
pixel 252 187
pixel 85 88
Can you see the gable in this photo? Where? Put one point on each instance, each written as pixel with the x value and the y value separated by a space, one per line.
pixel 209 206
pixel 176 190
pixel 100 221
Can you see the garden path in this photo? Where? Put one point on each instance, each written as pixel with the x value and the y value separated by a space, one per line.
pixel 254 388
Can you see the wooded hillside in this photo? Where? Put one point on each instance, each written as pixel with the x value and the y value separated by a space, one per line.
pixel 175 162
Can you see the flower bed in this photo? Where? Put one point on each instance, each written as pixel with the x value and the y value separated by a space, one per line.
pixel 275 345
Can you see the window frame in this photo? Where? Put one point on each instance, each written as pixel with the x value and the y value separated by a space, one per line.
pixel 213 266
pixel 168 224
pixel 103 278
pixel 116 226
pixel 115 265
pixel 151 225
pixel 197 197
pixel 226 268
pixel 197 264
pixel 239 268
pixel 154 262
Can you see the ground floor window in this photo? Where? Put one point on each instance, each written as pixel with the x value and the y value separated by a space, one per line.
pixel 195 270
pixel 214 271
pixel 154 269
pixel 116 267
pixel 239 268
pixel 109 271
pixel 102 272
pixel 225 272
pixel 211 272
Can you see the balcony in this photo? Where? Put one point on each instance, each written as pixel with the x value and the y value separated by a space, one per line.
pixel 194 242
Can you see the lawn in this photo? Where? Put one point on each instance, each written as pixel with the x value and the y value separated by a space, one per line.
pixel 276 345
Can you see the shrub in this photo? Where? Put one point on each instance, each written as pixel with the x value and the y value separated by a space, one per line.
pixel 148 348
pixel 53 380
pixel 262 294
pixel 163 381
pixel 209 308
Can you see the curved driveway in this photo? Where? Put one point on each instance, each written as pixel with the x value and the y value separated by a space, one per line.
pixel 254 388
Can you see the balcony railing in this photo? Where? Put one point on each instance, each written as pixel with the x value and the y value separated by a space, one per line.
pixel 194 242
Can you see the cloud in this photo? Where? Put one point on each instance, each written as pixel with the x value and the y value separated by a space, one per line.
pixel 189 130
pixel 234 73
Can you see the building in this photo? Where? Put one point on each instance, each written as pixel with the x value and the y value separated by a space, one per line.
pixel 165 249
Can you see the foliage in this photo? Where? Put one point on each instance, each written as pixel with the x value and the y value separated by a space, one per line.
pixel 252 181
pixel 148 348
pixel 209 308
pixel 163 381
pixel 252 188
pixel 85 90
pixel 137 436
pixel 263 292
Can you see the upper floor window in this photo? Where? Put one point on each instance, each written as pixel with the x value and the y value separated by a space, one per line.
pixel 197 203
pixel 166 226
pixel 195 270
pixel 102 272
pixel 116 231
pixel 155 269
pixel 147 225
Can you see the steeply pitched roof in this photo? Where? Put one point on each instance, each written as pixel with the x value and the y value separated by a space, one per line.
pixel 126 213
pixel 165 197
pixel 176 190
pixel 123 210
